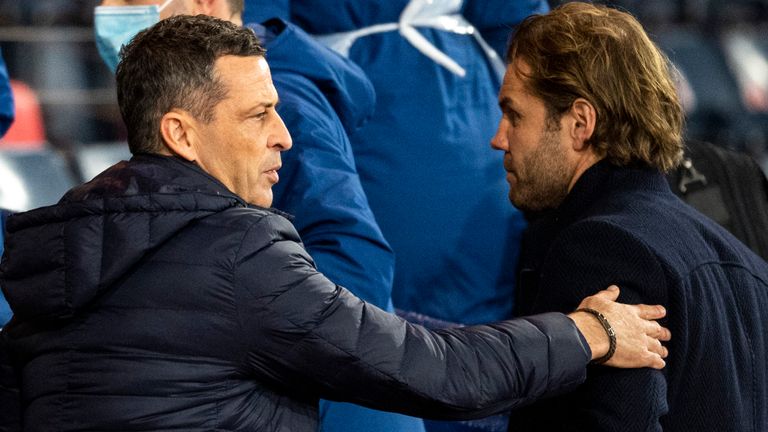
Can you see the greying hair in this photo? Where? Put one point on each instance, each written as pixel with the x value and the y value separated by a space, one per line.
pixel 171 65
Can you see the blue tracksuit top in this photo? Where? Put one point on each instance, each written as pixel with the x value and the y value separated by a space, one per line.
pixel 323 98
pixel 6 118
pixel 6 99
pixel 433 182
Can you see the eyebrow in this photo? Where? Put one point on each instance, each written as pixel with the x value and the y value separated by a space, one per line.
pixel 253 109
pixel 265 105
pixel 272 104
pixel 506 104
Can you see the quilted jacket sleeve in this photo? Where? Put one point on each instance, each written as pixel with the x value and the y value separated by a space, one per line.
pixel 309 335
pixel 10 400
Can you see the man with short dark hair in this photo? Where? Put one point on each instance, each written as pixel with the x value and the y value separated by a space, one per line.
pixel 164 294
pixel 324 98
pixel 591 121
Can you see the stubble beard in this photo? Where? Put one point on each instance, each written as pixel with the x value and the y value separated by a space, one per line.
pixel 543 179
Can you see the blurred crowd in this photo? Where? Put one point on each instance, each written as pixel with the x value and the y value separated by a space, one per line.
pixel 719 48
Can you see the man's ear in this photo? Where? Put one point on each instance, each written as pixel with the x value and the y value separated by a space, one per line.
pixel 205 7
pixel 582 126
pixel 220 9
pixel 177 128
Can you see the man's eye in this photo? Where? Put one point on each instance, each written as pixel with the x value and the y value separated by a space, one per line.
pixel 260 116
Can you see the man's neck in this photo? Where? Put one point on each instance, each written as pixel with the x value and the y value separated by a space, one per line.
pixel 585 162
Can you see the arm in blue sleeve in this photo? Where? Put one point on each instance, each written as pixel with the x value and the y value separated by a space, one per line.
pixel 6 99
pixel 320 186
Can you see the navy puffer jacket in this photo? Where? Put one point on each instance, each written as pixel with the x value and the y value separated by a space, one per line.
pixel 152 298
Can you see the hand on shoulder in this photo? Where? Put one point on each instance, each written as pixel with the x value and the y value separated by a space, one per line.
pixel 637 336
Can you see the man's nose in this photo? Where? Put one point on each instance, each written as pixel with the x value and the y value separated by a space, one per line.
pixel 281 137
pixel 499 140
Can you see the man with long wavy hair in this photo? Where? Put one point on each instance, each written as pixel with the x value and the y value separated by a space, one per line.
pixel 591 121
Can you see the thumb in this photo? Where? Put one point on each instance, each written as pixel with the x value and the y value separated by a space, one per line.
pixel 611 293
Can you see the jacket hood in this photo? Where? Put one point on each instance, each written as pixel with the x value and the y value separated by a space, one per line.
pixel 489 14
pixel 292 51
pixel 262 10
pixel 58 259
pixel 347 15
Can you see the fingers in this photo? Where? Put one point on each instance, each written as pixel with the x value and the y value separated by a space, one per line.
pixel 655 346
pixel 640 338
pixel 665 334
pixel 657 362
pixel 655 335
pixel 651 312
pixel 655 354
pixel 655 330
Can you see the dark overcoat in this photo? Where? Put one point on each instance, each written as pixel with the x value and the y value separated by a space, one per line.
pixel 624 226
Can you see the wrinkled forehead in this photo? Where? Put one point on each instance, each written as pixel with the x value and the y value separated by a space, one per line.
pixel 246 77
pixel 253 69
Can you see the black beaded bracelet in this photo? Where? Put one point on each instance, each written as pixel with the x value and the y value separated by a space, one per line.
pixel 608 329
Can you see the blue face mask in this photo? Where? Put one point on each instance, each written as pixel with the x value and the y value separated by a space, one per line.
pixel 115 26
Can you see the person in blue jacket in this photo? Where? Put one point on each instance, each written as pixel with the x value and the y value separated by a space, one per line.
pixel 424 157
pixel 323 97
pixel 6 118
pixel 6 98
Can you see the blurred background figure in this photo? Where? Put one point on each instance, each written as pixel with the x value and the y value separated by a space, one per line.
pixel 435 189
pixel 323 99
pixel 6 98
pixel 721 51
pixel 6 118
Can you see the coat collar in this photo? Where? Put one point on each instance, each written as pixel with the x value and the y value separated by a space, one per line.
pixel 597 183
